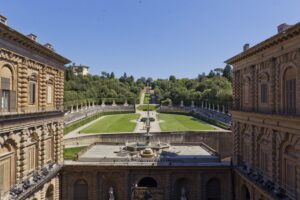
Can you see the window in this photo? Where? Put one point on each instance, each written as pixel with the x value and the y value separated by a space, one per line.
pixel 290 90
pixel 291 96
pixel 50 93
pixel 264 161
pixel 264 93
pixel 5 175
pixel 7 95
pixel 32 92
pixel 5 101
pixel 48 149
pixel 31 158
pixel 291 156
pixel 290 176
pixel 246 91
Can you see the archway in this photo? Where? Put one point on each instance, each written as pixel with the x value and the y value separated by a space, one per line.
pixel 213 189
pixel 147 182
pixel 245 193
pixel 50 193
pixel 181 186
pixel 80 190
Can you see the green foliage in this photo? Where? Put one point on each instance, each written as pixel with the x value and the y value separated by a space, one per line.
pixel 79 88
pixel 227 73
pixel 113 124
pixel 145 107
pixel 215 88
pixel 211 121
pixel 77 124
pixel 71 153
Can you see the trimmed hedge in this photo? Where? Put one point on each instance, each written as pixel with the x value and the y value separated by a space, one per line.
pixel 77 124
pixel 145 107
pixel 211 121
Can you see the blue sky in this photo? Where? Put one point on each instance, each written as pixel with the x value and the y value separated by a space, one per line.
pixel 153 38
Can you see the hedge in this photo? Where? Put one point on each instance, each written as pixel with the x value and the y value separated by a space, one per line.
pixel 77 124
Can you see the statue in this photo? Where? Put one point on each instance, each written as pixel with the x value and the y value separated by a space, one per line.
pixel 148 195
pixel 183 195
pixel 111 193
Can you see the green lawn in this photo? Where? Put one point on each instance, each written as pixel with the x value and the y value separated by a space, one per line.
pixel 145 107
pixel 113 123
pixel 173 122
pixel 70 153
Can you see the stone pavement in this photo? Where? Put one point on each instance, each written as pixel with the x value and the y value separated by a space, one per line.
pixel 141 125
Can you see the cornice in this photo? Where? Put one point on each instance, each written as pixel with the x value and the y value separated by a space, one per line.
pixel 266 44
pixel 17 37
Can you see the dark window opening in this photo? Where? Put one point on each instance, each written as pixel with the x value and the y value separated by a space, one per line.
pixel 290 96
pixel 264 93
pixel 32 92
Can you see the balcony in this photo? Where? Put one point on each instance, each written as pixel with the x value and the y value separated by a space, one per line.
pixel 29 186
pixel 12 116
pixel 273 190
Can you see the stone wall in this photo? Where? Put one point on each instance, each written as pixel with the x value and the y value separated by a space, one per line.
pixel 94 182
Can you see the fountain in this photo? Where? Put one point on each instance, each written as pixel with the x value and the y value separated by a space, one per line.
pixel 147 149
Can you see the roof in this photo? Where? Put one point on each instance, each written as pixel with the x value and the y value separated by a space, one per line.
pixel 270 42
pixel 26 42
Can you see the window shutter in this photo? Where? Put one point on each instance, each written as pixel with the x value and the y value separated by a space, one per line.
pixel 5 83
pixel 12 101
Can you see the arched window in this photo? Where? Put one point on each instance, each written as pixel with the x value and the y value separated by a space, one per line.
pixel 290 90
pixel 7 93
pixel 50 193
pixel 290 163
pixel 213 189
pixel 80 190
pixel 245 194
pixel 264 89
pixel 147 182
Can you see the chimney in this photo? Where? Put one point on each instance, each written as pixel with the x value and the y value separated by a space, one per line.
pixel 49 46
pixel 3 20
pixel 283 27
pixel 32 36
pixel 246 47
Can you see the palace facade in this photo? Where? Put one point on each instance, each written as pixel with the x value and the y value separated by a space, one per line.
pixel 31 116
pixel 265 117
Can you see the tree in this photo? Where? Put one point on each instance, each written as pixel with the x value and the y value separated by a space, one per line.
pixel 211 74
pixel 112 75
pixel 227 72
pixel 218 71
pixel 172 78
